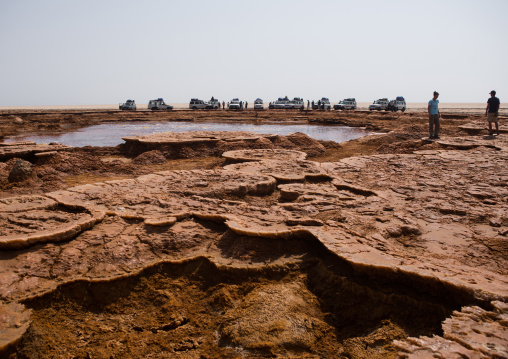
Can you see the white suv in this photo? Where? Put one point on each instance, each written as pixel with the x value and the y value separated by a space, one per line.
pixel 296 103
pixel 323 103
pixel 234 104
pixel 159 104
pixel 258 104
pixel 346 104
pixel 129 105
pixel 196 104
pixel 280 103
pixel 379 105
pixel 398 104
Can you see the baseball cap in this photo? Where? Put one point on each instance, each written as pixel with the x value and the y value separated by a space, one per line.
pixel 492 92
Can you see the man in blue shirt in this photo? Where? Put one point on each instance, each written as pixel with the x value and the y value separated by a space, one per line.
pixel 492 111
pixel 434 116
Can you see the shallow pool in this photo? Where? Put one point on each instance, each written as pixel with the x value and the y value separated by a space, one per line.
pixel 110 134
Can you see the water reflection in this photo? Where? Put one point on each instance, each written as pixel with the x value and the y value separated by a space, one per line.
pixel 110 134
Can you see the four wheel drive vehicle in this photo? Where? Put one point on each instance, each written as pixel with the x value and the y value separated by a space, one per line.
pixel 158 104
pixel 128 105
pixel 379 105
pixel 196 104
pixel 235 104
pixel 258 104
pixel 280 103
pixel 213 104
pixel 296 103
pixel 346 104
pixel 398 104
pixel 324 103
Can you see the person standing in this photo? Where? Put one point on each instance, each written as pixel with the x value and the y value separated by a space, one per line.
pixel 434 116
pixel 223 105
pixel 246 104
pixel 308 105
pixel 492 112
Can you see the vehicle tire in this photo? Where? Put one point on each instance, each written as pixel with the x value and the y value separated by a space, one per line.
pixel 154 109
pixel 403 109
pixel 194 108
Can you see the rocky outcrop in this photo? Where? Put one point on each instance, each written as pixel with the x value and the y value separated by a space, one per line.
pixel 264 154
pixel 192 143
pixel 282 170
pixel 423 231
pixel 27 149
pixel 471 333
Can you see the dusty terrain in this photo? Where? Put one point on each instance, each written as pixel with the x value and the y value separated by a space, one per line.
pixel 214 245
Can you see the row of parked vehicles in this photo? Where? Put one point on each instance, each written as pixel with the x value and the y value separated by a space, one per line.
pixel 384 104
pixel 296 103
pixel 158 104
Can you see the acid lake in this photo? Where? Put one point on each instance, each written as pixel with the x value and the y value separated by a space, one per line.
pixel 110 134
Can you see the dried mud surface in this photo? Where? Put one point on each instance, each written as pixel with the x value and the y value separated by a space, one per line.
pixel 389 246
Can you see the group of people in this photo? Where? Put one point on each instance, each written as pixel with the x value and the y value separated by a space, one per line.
pixel 492 113
pixel 246 104
pixel 319 106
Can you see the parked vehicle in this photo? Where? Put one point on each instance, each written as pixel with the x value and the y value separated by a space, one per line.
pixel 158 104
pixel 346 104
pixel 398 104
pixel 258 104
pixel 213 104
pixel 129 105
pixel 280 103
pixel 196 104
pixel 379 105
pixel 235 104
pixel 323 103
pixel 296 103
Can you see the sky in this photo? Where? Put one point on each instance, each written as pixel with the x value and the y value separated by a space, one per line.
pixel 70 52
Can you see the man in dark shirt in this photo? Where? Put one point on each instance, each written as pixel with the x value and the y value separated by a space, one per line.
pixel 492 111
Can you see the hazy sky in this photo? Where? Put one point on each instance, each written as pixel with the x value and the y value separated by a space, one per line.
pixel 69 52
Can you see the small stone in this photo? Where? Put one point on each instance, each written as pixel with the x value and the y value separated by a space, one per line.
pixel 17 121
pixel 410 229
pixel 20 171
pixel 394 231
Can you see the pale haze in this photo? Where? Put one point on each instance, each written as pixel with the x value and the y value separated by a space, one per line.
pixel 104 52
